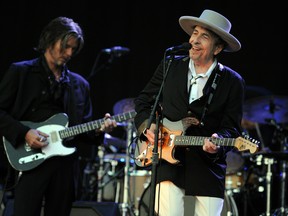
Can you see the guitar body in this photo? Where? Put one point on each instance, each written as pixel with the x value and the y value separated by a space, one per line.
pixel 144 150
pixel 23 157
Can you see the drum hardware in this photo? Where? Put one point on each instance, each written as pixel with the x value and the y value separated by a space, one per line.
pixel 283 169
pixel 95 177
pixel 98 176
pixel 89 181
pixel 269 159
pixel 125 204
pixel 282 157
pixel 247 186
pixel 257 181
pixel 268 162
pixel 112 178
pixel 269 110
pixel 100 173
pixel 124 105
pixel 229 207
pixel 119 167
pixel 134 180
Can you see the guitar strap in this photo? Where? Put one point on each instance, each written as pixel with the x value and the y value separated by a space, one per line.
pixel 211 94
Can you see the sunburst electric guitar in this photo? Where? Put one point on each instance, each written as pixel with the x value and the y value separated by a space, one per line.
pixel 23 157
pixel 174 138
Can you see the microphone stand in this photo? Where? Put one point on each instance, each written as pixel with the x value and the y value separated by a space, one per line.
pixel 155 159
pixel 155 155
pixel 125 204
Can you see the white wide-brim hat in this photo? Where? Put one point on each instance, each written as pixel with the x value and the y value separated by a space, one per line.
pixel 216 23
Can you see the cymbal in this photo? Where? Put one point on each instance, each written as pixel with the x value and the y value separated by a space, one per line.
pixel 124 105
pixel 266 109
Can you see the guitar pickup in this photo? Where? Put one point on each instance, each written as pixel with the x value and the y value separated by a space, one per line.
pixel 31 158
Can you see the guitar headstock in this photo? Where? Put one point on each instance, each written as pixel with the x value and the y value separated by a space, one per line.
pixel 247 143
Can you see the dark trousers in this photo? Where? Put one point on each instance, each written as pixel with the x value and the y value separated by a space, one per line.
pixel 51 185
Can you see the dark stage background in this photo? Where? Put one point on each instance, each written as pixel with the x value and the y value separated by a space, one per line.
pixel 147 28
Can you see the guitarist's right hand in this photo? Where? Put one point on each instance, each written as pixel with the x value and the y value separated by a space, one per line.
pixel 36 139
pixel 150 134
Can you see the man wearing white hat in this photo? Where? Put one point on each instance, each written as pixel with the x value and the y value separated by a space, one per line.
pixel 206 97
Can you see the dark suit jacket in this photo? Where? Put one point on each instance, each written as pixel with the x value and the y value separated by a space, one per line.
pixel 199 172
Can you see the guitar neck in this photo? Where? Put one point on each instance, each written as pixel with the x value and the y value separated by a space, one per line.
pixel 93 125
pixel 199 141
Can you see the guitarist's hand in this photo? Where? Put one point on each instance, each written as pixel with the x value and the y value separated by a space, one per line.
pixel 150 134
pixel 36 139
pixel 108 125
pixel 209 146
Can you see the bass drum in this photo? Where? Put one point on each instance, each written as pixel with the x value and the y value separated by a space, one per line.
pixel 229 206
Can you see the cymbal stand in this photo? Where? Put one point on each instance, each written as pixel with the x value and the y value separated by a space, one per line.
pixel 283 166
pixel 282 187
pixel 100 173
pixel 283 178
pixel 231 204
pixel 125 204
pixel 268 162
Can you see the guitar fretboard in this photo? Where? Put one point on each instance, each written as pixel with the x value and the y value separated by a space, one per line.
pixel 198 141
pixel 93 125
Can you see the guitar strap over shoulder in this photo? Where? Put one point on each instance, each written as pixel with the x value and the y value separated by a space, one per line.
pixel 211 94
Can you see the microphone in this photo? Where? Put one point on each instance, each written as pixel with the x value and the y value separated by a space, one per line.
pixel 116 51
pixel 183 47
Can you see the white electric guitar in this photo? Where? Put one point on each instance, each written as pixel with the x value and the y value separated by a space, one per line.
pixel 23 157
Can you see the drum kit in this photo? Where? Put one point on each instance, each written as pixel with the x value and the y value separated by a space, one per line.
pixel 257 183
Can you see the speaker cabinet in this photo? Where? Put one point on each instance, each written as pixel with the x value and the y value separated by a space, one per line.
pixel 90 208
pixel 87 208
